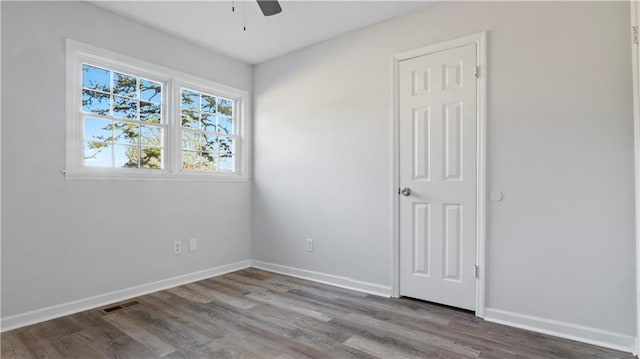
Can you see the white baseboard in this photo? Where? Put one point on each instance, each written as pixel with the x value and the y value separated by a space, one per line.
pixel 56 311
pixel 330 279
pixel 575 332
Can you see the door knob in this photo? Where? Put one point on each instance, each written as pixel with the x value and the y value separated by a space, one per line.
pixel 406 191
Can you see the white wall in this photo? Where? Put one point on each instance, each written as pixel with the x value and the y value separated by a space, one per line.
pixel 560 245
pixel 67 240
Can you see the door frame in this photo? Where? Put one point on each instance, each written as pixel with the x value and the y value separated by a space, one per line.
pixel 635 54
pixel 480 39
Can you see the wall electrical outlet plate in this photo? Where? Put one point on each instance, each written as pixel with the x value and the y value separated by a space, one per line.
pixel 177 247
pixel 309 244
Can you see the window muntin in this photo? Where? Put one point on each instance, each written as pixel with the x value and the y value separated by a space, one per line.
pixel 208 134
pixel 123 123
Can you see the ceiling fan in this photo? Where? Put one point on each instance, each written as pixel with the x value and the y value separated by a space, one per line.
pixel 269 7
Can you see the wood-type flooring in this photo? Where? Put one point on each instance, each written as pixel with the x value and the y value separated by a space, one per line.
pixel 257 314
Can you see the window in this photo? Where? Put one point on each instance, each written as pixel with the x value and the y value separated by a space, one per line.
pixel 207 132
pixel 134 120
pixel 122 120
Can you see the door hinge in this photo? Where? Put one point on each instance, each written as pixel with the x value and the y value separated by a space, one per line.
pixel 476 72
pixel 634 29
pixel 475 271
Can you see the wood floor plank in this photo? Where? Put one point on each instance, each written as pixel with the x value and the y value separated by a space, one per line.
pixel 215 294
pixel 39 346
pixel 270 300
pixel 166 328
pixel 224 283
pixel 258 314
pixel 291 286
pixel 387 307
pixel 71 347
pixel 140 334
pixel 187 318
pixel 123 347
pixel 13 347
pixel 414 336
pixel 189 294
pixel 315 286
pixel 378 349
pixel 323 306
pixel 92 322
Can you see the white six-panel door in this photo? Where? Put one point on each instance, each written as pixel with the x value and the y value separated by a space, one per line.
pixel 438 134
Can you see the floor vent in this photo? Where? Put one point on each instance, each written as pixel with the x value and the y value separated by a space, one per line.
pixel 118 307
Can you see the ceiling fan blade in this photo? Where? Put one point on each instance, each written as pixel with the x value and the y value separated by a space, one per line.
pixel 269 7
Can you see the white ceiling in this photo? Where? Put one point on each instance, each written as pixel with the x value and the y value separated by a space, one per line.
pixel 211 24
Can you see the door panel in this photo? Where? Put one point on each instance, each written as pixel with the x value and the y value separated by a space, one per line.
pixel 438 112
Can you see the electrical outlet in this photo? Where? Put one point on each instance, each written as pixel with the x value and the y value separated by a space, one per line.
pixel 193 244
pixel 177 247
pixel 309 245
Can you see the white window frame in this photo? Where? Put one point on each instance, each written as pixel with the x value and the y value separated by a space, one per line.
pixel 172 80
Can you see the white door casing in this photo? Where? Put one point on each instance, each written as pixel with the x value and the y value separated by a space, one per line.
pixel 635 52
pixel 439 143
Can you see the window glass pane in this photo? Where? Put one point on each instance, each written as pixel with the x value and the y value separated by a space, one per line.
pixel 226 163
pixel 208 161
pixel 97 154
pixel 151 157
pixel 98 130
pixel 150 91
pixel 208 104
pixel 125 85
pixel 126 133
pixel 226 146
pixel 190 119
pixel 225 107
pixel 210 143
pixel 190 160
pixel 95 102
pixel 95 78
pixel 125 108
pixel 208 122
pixel 126 156
pixel 225 124
pixel 190 140
pixel 190 100
pixel 149 112
pixel 151 136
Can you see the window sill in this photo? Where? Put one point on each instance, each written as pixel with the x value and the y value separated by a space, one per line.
pixel 151 175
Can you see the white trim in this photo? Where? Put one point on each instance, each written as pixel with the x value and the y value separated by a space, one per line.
pixel 482 176
pixel 78 52
pixel 325 278
pixel 560 329
pixel 395 178
pixel 635 52
pixel 56 311
pixel 480 39
pixel 0 151
pixel 108 174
